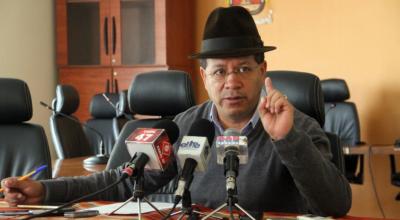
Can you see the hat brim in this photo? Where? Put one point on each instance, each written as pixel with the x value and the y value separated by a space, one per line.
pixel 236 52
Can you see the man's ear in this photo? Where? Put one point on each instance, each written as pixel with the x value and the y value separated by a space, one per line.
pixel 203 75
pixel 264 67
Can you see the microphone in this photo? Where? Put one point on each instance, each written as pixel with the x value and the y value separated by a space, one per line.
pixel 155 143
pixel 100 158
pixel 138 162
pixel 231 151
pixel 116 106
pixel 194 153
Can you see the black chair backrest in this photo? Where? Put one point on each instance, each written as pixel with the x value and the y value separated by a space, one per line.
pixel 106 119
pixel 159 93
pixel 341 116
pixel 23 145
pixel 67 133
pixel 304 92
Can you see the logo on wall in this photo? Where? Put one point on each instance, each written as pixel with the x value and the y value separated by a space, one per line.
pixel 254 6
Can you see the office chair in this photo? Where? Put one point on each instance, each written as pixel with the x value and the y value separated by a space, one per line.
pixel 107 120
pixel 160 93
pixel 66 130
pixel 23 145
pixel 126 113
pixel 394 174
pixel 341 118
pixel 304 92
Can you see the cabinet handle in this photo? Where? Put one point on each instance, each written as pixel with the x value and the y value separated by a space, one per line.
pixel 114 34
pixel 106 34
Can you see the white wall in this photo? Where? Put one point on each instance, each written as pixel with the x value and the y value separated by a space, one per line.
pixel 27 51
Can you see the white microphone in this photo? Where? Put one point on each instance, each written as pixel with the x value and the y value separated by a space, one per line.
pixel 231 151
pixel 155 142
pixel 194 153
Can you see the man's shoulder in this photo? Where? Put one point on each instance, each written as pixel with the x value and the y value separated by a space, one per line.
pixel 302 119
pixel 186 118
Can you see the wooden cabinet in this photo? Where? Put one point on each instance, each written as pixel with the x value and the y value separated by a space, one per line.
pixel 100 40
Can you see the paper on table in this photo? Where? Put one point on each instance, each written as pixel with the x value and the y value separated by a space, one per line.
pixel 131 208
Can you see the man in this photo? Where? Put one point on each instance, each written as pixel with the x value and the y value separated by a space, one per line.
pixel 289 168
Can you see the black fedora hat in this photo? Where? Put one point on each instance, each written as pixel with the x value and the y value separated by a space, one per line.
pixel 230 32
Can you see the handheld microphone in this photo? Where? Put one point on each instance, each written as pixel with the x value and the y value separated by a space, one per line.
pixel 194 153
pixel 100 158
pixel 232 150
pixel 155 143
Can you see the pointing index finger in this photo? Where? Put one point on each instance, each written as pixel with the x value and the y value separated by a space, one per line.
pixel 268 85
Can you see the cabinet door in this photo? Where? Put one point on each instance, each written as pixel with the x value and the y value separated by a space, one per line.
pixel 133 37
pixel 83 32
pixel 125 76
pixel 88 82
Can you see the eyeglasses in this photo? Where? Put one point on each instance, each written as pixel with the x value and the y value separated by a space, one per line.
pixel 220 74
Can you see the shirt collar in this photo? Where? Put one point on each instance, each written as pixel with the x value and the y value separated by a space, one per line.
pixel 213 116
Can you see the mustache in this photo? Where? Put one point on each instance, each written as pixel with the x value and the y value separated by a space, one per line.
pixel 231 94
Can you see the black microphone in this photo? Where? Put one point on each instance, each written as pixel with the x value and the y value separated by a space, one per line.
pixel 138 162
pixel 194 153
pixel 115 107
pixel 100 158
pixel 155 142
pixel 233 149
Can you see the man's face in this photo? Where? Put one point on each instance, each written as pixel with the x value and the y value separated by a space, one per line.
pixel 234 85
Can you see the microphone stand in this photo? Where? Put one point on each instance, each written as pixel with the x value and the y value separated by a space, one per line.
pixel 138 195
pixel 187 208
pixel 100 158
pixel 231 201
pixel 231 170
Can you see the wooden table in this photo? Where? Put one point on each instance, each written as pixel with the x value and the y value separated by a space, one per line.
pixel 74 167
pixel 385 149
pixel 357 150
pixel 156 216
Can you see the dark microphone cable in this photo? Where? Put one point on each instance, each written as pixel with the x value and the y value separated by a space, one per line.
pixel 126 172
pixel 101 158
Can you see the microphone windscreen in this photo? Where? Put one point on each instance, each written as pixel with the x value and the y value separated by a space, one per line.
pixel 203 128
pixel 231 132
pixel 170 127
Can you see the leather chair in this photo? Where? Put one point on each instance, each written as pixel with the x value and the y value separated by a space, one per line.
pixel 394 174
pixel 106 122
pixel 125 111
pixel 23 145
pixel 159 93
pixel 66 130
pixel 304 92
pixel 341 118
